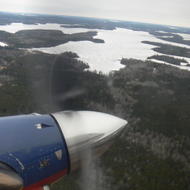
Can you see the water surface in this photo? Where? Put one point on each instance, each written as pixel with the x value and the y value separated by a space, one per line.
pixel 104 57
pixel 15 27
pixel 2 44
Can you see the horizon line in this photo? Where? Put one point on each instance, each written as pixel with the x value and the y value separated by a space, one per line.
pixel 91 17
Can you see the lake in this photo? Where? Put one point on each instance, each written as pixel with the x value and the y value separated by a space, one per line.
pixel 2 44
pixel 104 57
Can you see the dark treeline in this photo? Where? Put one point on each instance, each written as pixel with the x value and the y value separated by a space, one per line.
pixel 168 59
pixel 153 151
pixel 84 22
pixel 170 37
pixel 168 49
pixel 44 38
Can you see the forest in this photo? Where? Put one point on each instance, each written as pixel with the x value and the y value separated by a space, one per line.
pixel 152 153
pixel 44 38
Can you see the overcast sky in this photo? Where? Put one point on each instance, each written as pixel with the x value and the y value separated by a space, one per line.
pixel 171 12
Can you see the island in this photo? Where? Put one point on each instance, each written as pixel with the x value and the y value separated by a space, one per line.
pixel 153 151
pixel 44 38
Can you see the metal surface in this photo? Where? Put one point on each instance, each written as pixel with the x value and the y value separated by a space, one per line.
pixel 37 150
pixel 46 187
pixel 9 180
pixel 85 130
pixel 34 152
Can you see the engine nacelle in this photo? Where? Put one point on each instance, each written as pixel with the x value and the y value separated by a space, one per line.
pixel 36 150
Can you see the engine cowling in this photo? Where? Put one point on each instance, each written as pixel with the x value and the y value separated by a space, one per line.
pixel 39 149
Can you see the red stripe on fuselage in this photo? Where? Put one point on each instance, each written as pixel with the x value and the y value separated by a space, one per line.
pixel 39 185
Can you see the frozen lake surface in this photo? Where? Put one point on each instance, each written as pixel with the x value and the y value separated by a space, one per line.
pixel 15 27
pixel 185 36
pixel 105 57
pixel 2 44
